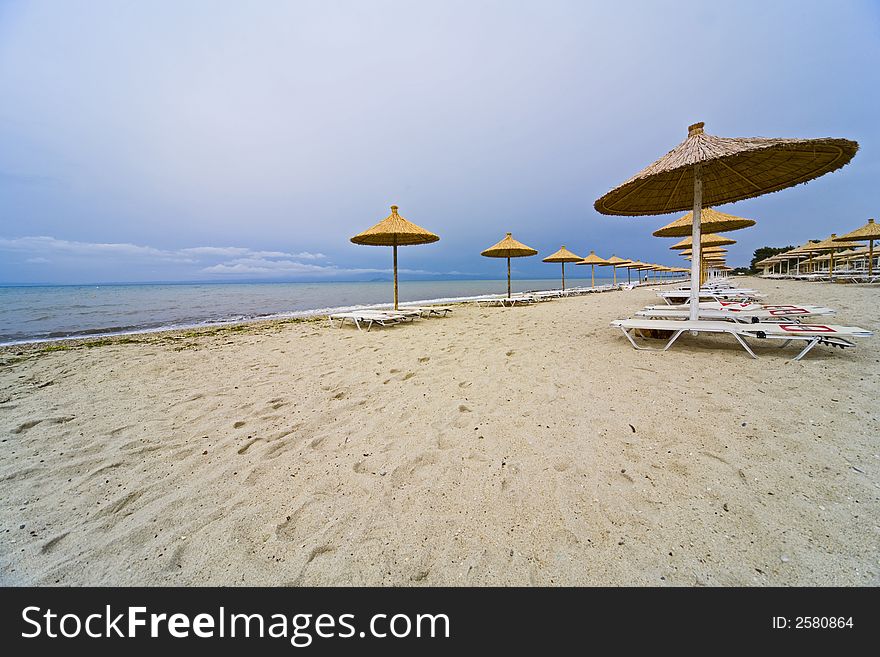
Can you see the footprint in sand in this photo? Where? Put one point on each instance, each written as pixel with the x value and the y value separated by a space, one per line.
pixel 424 359
pixel 408 376
pixel 49 545
pixel 30 424
pixel 238 425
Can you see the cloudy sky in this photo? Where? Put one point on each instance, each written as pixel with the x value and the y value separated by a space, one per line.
pixel 189 140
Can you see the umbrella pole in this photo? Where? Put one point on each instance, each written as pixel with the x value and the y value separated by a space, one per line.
pixel 563 277
pixel 628 280
pixel 593 276
pixel 695 243
pixel 395 276
pixel 870 257
pixel 508 277
pixel 614 273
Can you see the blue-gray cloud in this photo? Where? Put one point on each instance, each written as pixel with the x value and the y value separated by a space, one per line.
pixel 287 127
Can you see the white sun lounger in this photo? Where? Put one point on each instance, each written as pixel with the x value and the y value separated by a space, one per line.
pixel 812 334
pixel 429 311
pixel 731 294
pixel 747 313
pixel 517 299
pixel 370 317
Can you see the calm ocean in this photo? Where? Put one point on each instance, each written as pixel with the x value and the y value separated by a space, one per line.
pixel 30 314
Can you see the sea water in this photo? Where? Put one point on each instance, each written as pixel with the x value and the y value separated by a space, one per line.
pixel 37 313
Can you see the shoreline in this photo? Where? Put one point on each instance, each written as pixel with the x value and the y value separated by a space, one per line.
pixel 291 316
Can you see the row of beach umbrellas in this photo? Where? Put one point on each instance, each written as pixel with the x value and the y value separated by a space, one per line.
pixel 701 172
pixel 394 231
pixel 833 248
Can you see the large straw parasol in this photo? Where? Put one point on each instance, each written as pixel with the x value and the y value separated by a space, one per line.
pixel 705 241
pixel 395 231
pixel 867 233
pixel 593 260
pixel 618 262
pixel 709 170
pixel 509 248
pixel 563 255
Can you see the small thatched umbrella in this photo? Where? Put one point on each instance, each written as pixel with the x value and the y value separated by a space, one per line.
pixel 593 260
pixel 829 246
pixel 867 233
pixel 509 248
pixel 618 262
pixel 395 231
pixel 709 170
pixel 705 241
pixel 563 255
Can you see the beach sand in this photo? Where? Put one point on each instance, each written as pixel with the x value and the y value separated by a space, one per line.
pixel 523 446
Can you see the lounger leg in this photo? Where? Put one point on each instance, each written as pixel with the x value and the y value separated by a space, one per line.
pixel 672 340
pixel 745 346
pixel 631 341
pixel 812 343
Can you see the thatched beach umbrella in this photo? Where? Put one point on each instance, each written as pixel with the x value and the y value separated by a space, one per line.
pixel 593 260
pixel 705 241
pixel 395 231
pixel 509 248
pixel 563 255
pixel 711 221
pixel 705 170
pixel 867 233
pixel 618 262
pixel 829 246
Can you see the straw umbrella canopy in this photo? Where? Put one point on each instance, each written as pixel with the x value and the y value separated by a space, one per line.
pixel 617 262
pixel 867 233
pixel 509 248
pixel 395 231
pixel 706 251
pixel 709 170
pixel 563 255
pixel 593 260
pixel 828 246
pixel 711 221
pixel 705 241
pixel 804 250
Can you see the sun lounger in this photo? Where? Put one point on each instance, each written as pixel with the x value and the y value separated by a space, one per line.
pixel 370 317
pixel 747 313
pixel 429 311
pixel 734 294
pixel 515 300
pixel 812 334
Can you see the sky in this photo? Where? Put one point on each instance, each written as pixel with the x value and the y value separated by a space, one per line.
pixel 221 140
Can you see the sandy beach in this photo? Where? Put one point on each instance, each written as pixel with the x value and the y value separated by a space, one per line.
pixel 522 446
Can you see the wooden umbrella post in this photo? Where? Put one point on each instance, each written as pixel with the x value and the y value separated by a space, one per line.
pixel 614 273
pixel 593 276
pixel 508 277
pixel 563 275
pixel 695 243
pixel 870 257
pixel 395 276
